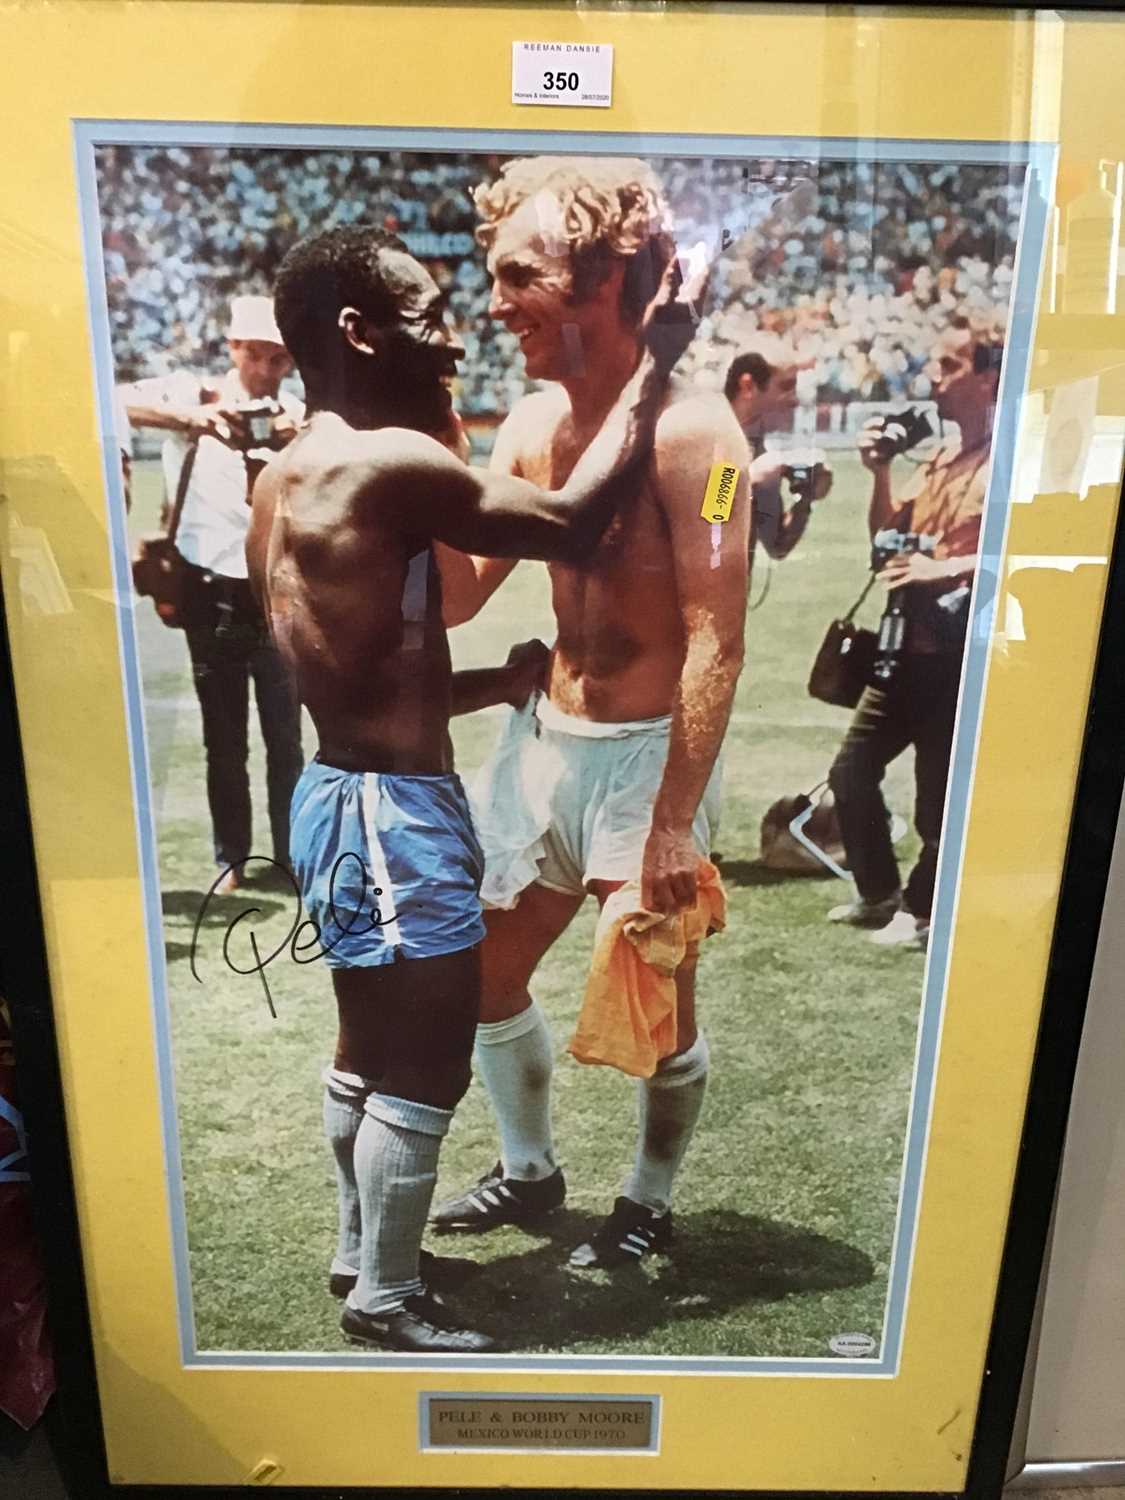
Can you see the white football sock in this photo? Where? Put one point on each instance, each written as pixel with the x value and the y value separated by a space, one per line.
pixel 668 1107
pixel 344 1094
pixel 396 1156
pixel 515 1059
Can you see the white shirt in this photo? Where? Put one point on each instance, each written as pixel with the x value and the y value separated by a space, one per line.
pixel 215 517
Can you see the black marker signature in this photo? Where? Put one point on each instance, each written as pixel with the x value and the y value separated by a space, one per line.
pixel 297 945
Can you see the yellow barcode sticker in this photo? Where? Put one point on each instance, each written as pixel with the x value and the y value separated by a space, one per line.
pixel 718 498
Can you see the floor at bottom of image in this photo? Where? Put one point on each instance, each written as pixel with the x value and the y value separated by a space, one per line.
pixel 785 1206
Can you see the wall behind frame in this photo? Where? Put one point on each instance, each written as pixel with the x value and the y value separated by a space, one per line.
pixel 1077 1414
pixel 1076 1409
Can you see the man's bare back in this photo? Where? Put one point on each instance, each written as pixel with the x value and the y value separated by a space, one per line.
pixel 354 602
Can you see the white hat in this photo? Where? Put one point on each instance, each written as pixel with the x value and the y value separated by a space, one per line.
pixel 252 318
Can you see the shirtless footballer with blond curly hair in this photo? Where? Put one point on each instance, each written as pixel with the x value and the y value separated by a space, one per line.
pixel 641 679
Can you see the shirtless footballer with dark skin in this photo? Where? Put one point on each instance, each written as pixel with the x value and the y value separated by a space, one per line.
pixel 340 552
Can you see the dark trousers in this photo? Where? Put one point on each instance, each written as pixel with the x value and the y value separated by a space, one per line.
pixel 917 708
pixel 230 648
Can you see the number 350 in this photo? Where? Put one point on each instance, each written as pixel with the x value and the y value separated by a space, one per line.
pixel 560 80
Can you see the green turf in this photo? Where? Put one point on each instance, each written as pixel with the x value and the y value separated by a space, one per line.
pixel 786 1204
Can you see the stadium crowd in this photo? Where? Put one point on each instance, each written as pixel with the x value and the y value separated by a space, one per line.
pixel 877 260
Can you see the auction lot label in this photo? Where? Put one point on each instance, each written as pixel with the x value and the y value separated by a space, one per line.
pixel 575 73
pixel 578 1424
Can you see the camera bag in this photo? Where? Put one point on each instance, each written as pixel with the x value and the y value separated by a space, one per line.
pixel 160 571
pixel 843 664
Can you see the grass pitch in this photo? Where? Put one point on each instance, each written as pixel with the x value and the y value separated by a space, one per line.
pixel 785 1207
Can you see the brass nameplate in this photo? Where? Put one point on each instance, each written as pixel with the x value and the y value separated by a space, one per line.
pixel 606 1424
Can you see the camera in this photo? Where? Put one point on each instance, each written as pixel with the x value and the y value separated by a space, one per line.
pixel 805 471
pixel 892 627
pixel 899 431
pixel 892 543
pixel 802 477
pixel 258 417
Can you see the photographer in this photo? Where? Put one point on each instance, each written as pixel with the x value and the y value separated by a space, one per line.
pixel 763 397
pixel 925 544
pixel 220 435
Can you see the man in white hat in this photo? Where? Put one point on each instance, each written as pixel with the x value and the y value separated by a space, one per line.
pixel 219 435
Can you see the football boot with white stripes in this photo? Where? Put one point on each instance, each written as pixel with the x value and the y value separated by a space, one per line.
pixel 497 1200
pixel 631 1232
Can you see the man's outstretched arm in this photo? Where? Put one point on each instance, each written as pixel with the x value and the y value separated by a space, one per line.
pixel 499 515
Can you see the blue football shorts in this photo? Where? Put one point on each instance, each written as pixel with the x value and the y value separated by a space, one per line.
pixel 389 866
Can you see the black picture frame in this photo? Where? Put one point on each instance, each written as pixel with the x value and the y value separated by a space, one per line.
pixel 76 1431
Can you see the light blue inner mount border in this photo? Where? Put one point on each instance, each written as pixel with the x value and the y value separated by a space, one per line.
pixel 1040 160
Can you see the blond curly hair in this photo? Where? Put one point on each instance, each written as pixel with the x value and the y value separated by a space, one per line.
pixel 604 209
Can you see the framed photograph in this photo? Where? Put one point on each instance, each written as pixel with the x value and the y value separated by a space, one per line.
pixel 554 568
